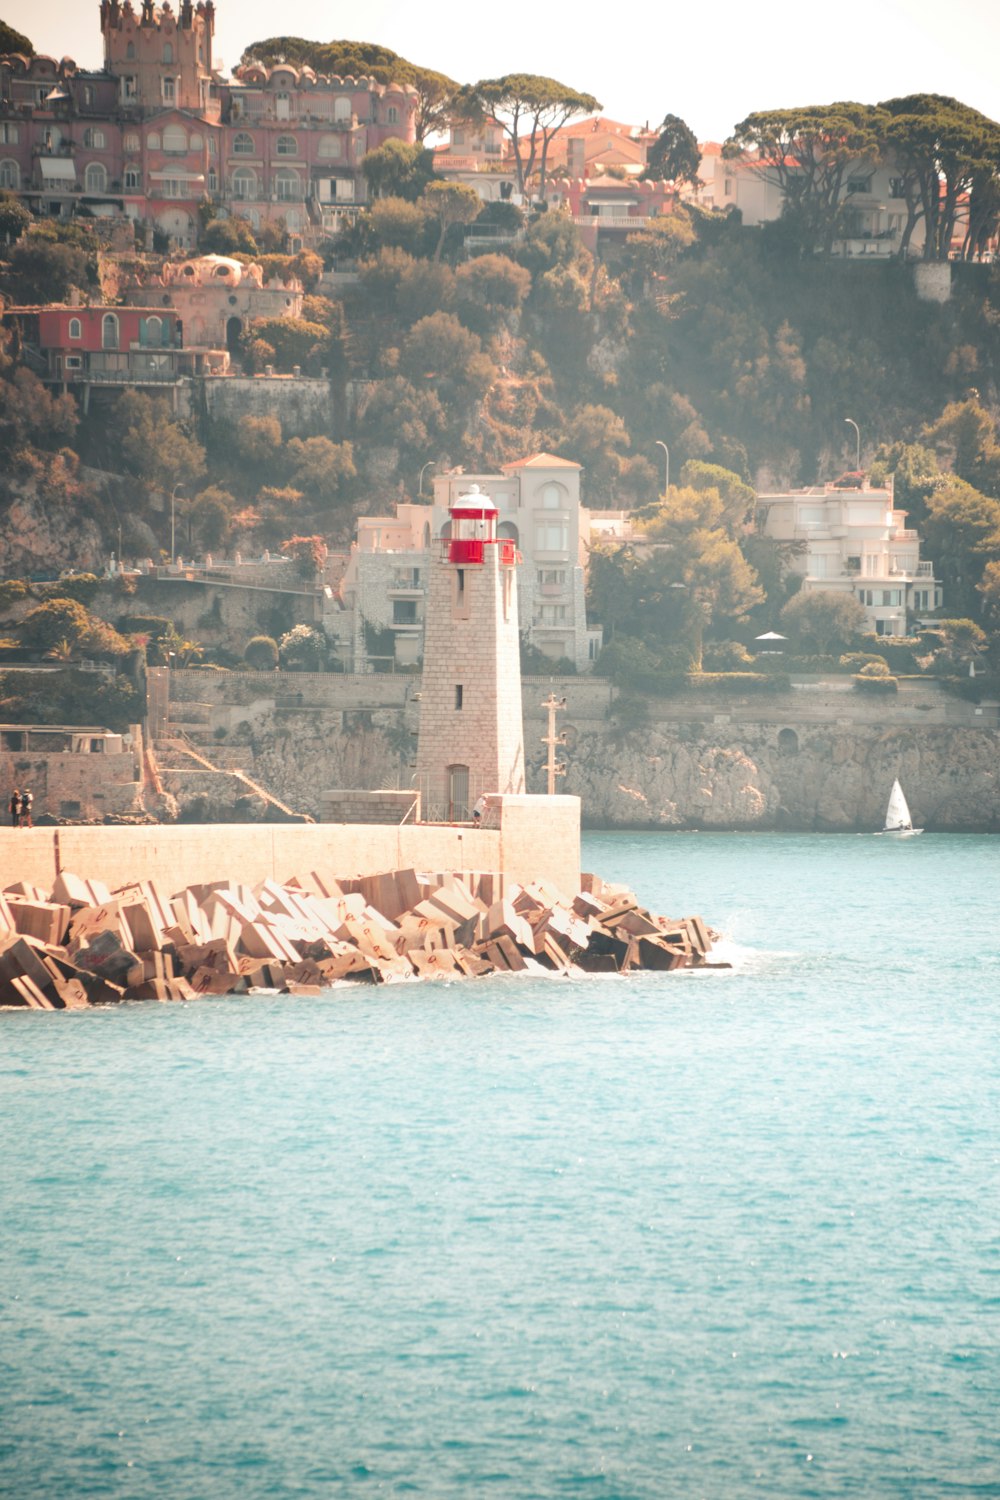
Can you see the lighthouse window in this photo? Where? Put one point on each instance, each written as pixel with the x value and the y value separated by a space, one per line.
pixel 458 695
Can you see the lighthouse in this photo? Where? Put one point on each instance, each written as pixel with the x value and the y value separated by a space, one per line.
pixel 471 740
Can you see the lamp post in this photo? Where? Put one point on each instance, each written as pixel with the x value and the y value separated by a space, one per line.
pixel 666 454
pixel 857 442
pixel 420 485
pixel 173 521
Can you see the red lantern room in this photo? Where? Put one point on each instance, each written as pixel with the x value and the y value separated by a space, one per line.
pixel 473 528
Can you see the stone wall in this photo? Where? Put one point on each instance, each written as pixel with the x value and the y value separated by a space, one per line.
pixel 303 405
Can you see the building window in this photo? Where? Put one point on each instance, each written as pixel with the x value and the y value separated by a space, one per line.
pixel 550 537
pixel 96 178
pixel 404 611
pixel 132 181
pixel 459 694
pixel 9 134
pixel 243 144
pixel 10 175
pixel 153 140
pixel 109 332
pixel 168 52
pixel 131 141
pixel 553 496
pixel 392 115
pixel 342 107
pixel 94 139
pixel 150 332
pixel 75 328
pixel 329 146
pixel 244 183
pixel 128 89
pixel 175 141
pixel 169 90
pixel 858 184
pixel 172 187
pixel 286 145
pixel 213 180
pixel 287 187
pixel 130 52
pixel 213 146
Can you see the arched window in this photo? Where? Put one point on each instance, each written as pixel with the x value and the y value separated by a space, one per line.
pixel 75 328
pixel 392 115
pixel 342 107
pixel 94 139
pixel 152 329
pixel 244 183
pixel 329 146
pixel 168 52
pixel 287 186
pixel 287 146
pixel 130 52
pixel 109 332
pixel 553 496
pixel 243 144
pixel 175 140
pixel 96 178
pixel 132 180
pixel 10 175
pixel 131 141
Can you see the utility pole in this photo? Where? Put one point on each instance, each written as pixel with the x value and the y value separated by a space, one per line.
pixel 553 767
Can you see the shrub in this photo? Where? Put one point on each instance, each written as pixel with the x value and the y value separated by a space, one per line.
pixel 13 591
pixel 155 626
pixel 860 661
pixel 875 683
pixel 82 587
pixel 629 714
pixel 727 656
pixel 739 682
pixel 50 624
pixel 262 653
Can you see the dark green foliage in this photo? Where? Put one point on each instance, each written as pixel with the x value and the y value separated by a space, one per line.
pixel 157 627
pixel 674 155
pixel 231 236
pixel 261 653
pixel 739 683
pixel 14 41
pixel 51 624
pixel 877 684
pixel 82 587
pixel 70 696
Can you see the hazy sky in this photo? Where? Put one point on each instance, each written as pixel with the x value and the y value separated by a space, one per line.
pixel 710 65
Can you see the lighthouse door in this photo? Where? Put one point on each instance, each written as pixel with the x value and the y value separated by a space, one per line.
pixel 458 794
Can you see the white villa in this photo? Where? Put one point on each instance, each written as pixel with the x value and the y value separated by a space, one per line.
pixel 847 539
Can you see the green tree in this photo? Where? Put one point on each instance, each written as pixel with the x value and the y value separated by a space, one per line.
pixel 490 292
pixel 261 653
pixel 674 155
pixel 14 41
pixel 57 620
pixel 961 533
pixel 737 498
pixel 154 447
pixel 209 517
pixel 808 154
pixel 451 203
pixel 596 437
pixel 822 621
pixel 529 109
pixel 966 434
pixel 43 268
pixel 400 414
pixel 293 340
pixel 320 467
pixel 945 151
pixel 258 443
pixel 14 217
pixel 397 169
pixel 442 354
pixel 231 236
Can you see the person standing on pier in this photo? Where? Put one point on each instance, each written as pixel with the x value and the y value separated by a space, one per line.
pixel 15 808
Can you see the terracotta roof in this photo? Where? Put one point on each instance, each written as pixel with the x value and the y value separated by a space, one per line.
pixel 541 461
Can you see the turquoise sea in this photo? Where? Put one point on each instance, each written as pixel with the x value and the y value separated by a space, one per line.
pixel 694 1235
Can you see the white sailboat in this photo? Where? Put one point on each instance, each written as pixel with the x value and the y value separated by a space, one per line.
pixel 897 815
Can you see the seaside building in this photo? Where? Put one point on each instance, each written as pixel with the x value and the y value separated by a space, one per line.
pixel 158 132
pixel 847 537
pixel 471 740
pixel 537 500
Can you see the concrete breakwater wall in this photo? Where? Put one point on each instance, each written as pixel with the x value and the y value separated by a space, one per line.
pixel 538 839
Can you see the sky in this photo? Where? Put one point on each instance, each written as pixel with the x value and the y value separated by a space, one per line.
pixel 711 67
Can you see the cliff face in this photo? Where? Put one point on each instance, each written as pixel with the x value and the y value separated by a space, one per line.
pixel 768 776
pixel 38 535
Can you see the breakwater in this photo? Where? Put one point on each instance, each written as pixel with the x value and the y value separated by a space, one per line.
pixel 81 944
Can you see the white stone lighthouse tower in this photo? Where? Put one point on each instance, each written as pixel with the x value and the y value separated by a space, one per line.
pixel 471 737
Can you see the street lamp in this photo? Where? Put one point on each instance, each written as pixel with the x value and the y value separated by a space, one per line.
pixel 420 485
pixel 173 520
pixel 666 451
pixel 857 442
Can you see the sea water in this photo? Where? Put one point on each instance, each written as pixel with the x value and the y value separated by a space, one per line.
pixel 722 1234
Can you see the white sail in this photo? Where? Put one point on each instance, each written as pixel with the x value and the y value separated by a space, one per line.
pixel 897 814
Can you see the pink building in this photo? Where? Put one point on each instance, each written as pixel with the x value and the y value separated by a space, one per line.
pixel 158 132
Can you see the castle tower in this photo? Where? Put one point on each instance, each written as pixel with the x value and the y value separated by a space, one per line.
pixel 471 736
pixel 161 59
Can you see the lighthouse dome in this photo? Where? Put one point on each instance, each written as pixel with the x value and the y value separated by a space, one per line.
pixel 474 505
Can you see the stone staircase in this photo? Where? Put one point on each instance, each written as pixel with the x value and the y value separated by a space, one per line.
pixel 183 765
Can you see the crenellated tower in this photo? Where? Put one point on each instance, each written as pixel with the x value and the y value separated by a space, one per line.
pixel 162 60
